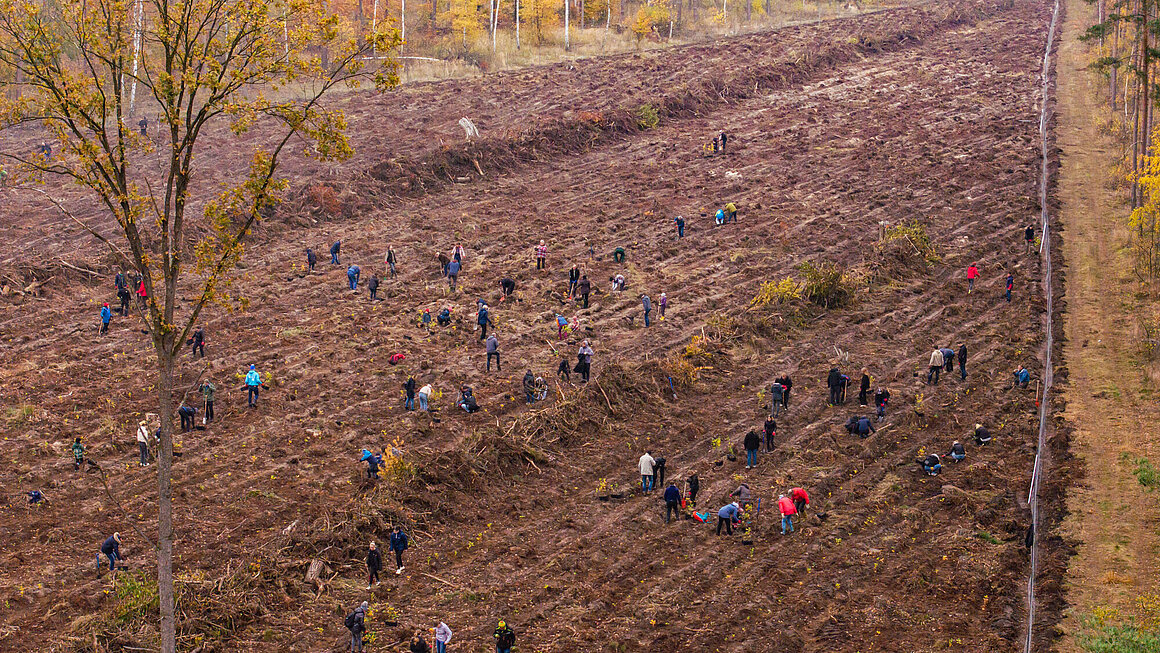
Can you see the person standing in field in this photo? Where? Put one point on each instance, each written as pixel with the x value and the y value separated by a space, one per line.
pixel 391 259
pixel 936 365
pixel 541 256
pixel 972 274
pixel 374 565
pixel 864 388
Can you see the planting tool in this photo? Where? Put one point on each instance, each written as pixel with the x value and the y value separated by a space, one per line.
pixel 671 388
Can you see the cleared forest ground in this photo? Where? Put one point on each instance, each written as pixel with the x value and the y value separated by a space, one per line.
pixel 940 127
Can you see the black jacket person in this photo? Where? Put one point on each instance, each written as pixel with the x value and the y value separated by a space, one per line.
pixel 834 381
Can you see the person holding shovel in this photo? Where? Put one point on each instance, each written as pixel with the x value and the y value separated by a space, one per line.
pixel 207 390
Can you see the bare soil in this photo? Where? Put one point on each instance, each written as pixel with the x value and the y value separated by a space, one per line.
pixel 933 119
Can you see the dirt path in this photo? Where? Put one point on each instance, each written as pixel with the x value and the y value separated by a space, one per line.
pixel 1112 518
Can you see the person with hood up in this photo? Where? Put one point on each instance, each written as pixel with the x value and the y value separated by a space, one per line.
pixel 776 398
pixel 752 443
pixel 646 465
pixel 374 565
pixel 881 398
pixel 106 316
pixel 356 624
pixel 646 303
pixel 787 509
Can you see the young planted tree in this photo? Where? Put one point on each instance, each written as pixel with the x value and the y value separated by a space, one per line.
pixel 200 66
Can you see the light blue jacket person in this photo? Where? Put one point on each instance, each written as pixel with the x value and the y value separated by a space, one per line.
pixel 253 383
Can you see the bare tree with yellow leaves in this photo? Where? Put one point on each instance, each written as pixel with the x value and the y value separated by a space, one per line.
pixel 71 67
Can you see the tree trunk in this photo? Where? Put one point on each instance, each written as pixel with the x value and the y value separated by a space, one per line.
pixel 434 15
pixel 581 14
pixel 567 4
pixel 165 499
pixel 491 22
pixel 748 10
pixel 517 24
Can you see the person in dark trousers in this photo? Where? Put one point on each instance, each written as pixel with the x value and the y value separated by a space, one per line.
pixel 881 397
pixel 724 138
pixel 958 452
pixel 334 250
pixel 1022 377
pixel 776 398
pixel 373 461
pixel 658 475
pixel 143 443
pixel 106 317
pixel 844 386
pixel 352 275
pixel 492 346
pixel 198 342
pixel 391 260
pixel 144 125
pixel 585 287
pixel 694 485
pixel 769 432
pixel 787 385
pixel 453 274
pixel 680 227
pixel 743 495
pixel 864 388
pixel 356 624
pixel 311 259
pixel 505 638
pixel 725 517
pixel 800 498
pixel 1029 236
pixel 752 443
pixel 507 286
pixel 374 565
pixel 409 388
pixel 1010 285
pixel 936 365
pixel 187 413
pixel 530 387
pixel 573 280
pixel 672 501
pixel 982 435
pixel 124 295
pixel 399 543
pixel 646 304
pixel 373 286
pixel 584 361
pixel 111 549
pixel 834 382
pixel 207 390
pixel 78 451
pixel 564 370
pixel 253 384
pixel 860 426
pixel 483 318
pixel 948 359
pixel 963 361
pixel 119 280
pixel 444 260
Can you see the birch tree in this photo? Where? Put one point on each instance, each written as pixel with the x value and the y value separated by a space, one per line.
pixel 201 63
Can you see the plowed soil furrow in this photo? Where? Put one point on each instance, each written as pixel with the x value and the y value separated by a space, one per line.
pixel 942 132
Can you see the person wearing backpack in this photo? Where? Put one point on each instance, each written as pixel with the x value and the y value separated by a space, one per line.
pixel 505 638
pixel 777 397
pixel 399 542
pixel 356 624
pixel 374 565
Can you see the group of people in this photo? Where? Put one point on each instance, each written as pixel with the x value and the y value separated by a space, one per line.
pixel 943 359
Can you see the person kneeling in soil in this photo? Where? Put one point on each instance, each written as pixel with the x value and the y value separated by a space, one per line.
pixel 860 426
pixel 787 509
pixel 444 317
pixel 726 516
pixel 932 464
pixel 1022 377
pixel 507 286
pixel 466 400
pixel 982 435
pixel 958 452
pixel 187 413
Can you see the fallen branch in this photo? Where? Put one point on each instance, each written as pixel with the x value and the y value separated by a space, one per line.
pixel 79 269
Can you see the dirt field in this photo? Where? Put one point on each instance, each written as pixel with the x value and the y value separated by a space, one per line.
pixel 926 113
